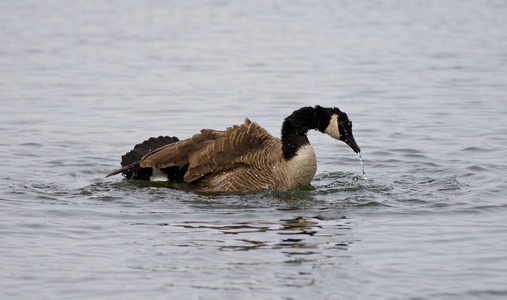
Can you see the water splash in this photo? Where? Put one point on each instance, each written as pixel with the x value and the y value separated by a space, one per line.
pixel 362 166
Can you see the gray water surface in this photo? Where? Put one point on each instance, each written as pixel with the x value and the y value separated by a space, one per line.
pixel 424 83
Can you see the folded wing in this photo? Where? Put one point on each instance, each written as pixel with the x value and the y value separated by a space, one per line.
pixel 212 151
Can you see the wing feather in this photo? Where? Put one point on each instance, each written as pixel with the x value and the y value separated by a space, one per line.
pixel 212 152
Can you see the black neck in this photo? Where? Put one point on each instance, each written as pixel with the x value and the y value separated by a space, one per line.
pixel 295 127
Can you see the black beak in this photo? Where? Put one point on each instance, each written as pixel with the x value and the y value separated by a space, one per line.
pixel 349 139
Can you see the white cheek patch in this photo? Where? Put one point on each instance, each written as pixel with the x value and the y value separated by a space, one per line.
pixel 332 129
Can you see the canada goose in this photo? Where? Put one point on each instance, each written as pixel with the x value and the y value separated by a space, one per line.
pixel 241 158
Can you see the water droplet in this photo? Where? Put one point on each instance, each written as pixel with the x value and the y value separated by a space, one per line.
pixel 362 166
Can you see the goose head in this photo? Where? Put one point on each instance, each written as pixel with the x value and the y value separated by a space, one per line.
pixel 328 120
pixel 340 127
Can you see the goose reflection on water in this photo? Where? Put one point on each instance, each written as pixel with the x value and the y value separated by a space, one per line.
pixel 303 236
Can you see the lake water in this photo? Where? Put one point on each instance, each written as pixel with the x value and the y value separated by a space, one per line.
pixel 424 82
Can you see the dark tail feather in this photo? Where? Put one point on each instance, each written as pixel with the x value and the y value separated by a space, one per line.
pixel 130 169
pixel 130 161
pixel 146 147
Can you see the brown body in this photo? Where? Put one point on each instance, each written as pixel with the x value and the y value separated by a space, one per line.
pixel 241 158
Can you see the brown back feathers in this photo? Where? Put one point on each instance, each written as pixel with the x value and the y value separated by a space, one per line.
pixel 240 153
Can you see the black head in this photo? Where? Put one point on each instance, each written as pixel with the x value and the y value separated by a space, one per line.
pixel 327 120
pixel 338 126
